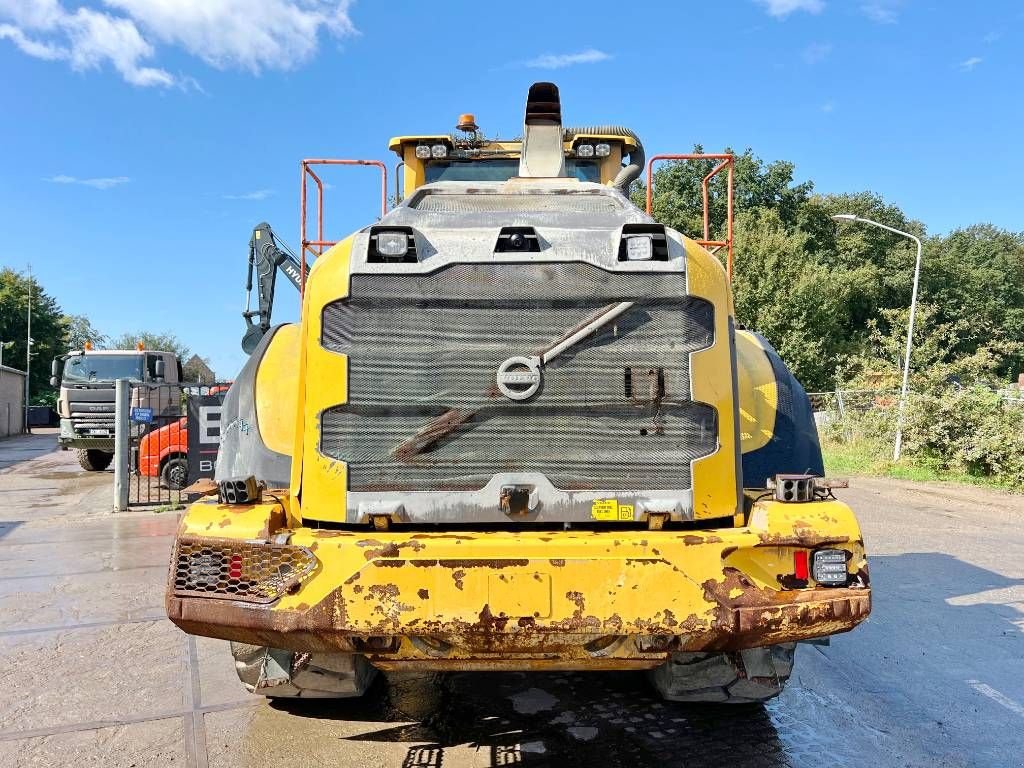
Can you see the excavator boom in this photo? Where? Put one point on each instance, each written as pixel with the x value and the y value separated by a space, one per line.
pixel 266 257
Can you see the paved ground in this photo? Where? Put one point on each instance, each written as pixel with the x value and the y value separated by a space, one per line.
pixel 92 673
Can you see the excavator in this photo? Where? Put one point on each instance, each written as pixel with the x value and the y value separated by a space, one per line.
pixel 518 426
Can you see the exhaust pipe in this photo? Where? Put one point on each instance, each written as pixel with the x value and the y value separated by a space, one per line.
pixel 543 156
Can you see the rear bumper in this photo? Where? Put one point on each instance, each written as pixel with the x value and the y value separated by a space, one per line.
pixel 560 600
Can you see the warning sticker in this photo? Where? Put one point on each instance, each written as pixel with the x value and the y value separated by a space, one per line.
pixel 605 509
pixel 611 510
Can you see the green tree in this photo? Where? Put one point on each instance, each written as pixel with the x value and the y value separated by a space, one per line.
pixel 80 330
pixel 49 334
pixel 164 342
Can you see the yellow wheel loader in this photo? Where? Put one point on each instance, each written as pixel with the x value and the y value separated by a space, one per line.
pixel 517 428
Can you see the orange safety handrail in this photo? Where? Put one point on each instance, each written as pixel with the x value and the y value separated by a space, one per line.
pixel 728 163
pixel 316 247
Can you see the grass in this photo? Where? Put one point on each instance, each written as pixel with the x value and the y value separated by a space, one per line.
pixel 864 458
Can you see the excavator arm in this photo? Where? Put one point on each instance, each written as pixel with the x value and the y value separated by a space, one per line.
pixel 265 259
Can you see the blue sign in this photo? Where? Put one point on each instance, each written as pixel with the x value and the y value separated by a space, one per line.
pixel 142 415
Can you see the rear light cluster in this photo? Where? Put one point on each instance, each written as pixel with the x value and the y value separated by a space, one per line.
pixel 830 567
pixel 826 566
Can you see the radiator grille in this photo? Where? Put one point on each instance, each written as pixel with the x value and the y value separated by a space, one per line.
pixel 421 346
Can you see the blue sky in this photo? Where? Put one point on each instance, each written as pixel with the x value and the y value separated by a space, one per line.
pixel 142 139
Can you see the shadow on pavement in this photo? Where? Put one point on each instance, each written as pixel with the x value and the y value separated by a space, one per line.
pixel 598 719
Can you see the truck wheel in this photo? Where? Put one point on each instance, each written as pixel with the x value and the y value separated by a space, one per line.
pixel 742 677
pixel 92 460
pixel 277 673
pixel 174 473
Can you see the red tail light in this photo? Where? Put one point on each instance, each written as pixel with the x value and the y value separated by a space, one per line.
pixel 235 566
pixel 800 569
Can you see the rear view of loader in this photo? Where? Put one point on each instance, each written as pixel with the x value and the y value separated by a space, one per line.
pixel 518 428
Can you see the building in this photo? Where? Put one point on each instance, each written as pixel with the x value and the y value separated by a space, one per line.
pixel 12 401
pixel 196 370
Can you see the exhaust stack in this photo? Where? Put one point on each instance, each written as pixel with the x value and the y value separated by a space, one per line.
pixel 542 154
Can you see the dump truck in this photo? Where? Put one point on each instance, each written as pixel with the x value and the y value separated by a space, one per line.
pixel 517 427
pixel 86 380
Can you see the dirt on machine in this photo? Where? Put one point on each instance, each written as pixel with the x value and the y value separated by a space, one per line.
pixel 517 427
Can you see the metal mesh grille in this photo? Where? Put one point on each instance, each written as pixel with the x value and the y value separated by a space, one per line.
pixel 609 447
pixel 257 573
pixel 422 345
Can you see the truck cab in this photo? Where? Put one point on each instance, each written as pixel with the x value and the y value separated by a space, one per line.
pixel 86 379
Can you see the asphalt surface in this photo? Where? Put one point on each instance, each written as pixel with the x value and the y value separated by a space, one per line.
pixel 94 674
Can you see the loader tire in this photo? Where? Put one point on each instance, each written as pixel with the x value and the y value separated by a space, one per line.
pixel 276 673
pixel 92 460
pixel 741 677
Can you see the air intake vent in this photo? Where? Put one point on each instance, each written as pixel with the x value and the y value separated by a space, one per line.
pixel 517 240
pixel 654 232
pixel 388 246
pixel 543 104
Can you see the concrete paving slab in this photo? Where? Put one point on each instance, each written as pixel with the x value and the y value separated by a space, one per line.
pixel 91 675
pixel 106 596
pixel 218 682
pixel 152 743
pixel 55 559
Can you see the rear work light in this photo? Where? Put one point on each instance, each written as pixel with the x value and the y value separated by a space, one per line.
pixel 423 152
pixel 829 567
pixel 639 248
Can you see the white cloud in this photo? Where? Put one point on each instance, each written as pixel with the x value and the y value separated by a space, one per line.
pixel 816 52
pixel 969 64
pixel 259 194
pixel 249 34
pixel 828 107
pixel 246 34
pixel 782 8
pixel 562 60
pixel 882 11
pixel 102 182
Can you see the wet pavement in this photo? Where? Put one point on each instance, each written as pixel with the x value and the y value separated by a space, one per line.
pixel 94 674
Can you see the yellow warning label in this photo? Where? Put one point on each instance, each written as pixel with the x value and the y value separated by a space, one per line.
pixel 605 509
pixel 625 511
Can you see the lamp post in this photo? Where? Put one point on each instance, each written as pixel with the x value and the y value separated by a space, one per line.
pixel 28 351
pixel 898 446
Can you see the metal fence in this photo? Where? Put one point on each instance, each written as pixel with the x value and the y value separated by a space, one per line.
pixel 157 456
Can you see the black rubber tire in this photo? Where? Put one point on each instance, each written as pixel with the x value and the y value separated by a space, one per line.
pixel 743 677
pixel 92 460
pixel 277 673
pixel 174 473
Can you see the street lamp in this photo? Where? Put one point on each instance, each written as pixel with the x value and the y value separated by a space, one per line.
pixel 898 447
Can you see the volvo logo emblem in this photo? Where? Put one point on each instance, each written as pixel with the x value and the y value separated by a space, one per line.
pixel 519 377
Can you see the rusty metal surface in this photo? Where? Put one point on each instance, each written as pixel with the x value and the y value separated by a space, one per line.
pixel 544 598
